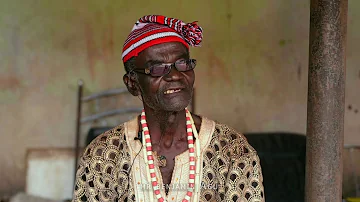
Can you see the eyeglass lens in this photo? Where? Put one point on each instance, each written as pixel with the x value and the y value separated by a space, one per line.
pixel 181 66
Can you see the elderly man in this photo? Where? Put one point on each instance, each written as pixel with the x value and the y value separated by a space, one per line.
pixel 167 153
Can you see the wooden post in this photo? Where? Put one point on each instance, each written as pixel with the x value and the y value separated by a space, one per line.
pixel 326 100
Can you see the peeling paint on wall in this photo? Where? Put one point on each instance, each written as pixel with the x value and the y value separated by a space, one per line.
pixel 252 66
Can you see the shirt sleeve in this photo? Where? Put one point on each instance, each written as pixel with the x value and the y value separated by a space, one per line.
pixel 95 180
pixel 244 180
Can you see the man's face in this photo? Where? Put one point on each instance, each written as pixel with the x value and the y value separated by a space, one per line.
pixel 173 91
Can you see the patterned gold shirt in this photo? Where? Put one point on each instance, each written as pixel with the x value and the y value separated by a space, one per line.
pixel 112 168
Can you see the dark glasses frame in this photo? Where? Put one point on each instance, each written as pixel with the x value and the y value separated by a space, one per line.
pixel 191 63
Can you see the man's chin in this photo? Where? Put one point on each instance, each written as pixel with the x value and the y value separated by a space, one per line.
pixel 175 107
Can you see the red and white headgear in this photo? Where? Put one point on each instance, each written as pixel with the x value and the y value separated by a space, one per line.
pixel 155 29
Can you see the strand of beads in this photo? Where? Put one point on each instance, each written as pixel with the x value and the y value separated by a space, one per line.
pixel 149 158
pixel 196 135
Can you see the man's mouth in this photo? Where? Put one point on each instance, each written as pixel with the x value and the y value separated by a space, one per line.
pixel 171 91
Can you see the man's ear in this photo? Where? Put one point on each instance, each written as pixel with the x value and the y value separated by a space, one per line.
pixel 131 84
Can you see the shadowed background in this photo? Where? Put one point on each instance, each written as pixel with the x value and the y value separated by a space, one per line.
pixel 251 73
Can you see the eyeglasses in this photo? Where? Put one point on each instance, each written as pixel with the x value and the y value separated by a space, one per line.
pixel 157 70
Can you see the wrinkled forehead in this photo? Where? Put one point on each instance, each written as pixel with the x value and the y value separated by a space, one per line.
pixel 164 52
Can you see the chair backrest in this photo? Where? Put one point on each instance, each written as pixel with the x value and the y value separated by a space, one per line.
pixel 283 160
pixel 99 114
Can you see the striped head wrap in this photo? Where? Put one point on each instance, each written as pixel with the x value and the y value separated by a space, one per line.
pixel 156 29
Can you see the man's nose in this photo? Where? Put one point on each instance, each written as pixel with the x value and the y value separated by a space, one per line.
pixel 173 75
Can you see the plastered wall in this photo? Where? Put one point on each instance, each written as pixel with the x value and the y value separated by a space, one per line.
pixel 251 74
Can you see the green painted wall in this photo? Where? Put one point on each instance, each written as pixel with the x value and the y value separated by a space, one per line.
pixel 252 71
